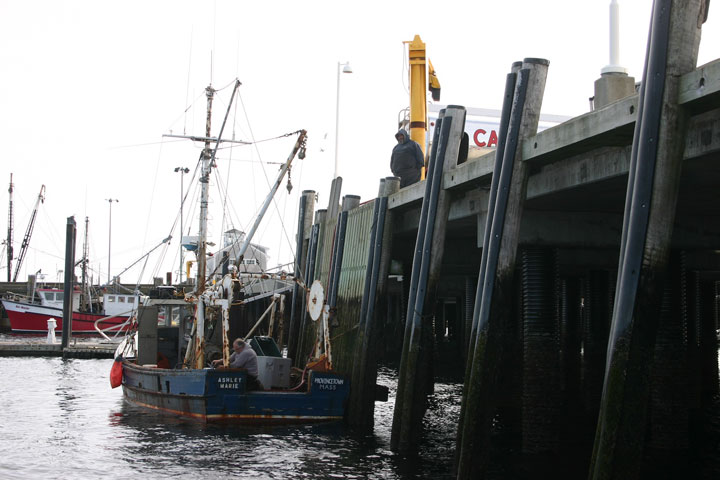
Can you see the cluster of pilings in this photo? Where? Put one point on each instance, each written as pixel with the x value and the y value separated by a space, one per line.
pixel 610 350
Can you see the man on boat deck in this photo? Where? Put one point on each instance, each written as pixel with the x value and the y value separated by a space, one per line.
pixel 407 159
pixel 244 356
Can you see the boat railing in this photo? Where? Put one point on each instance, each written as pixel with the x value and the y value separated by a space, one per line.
pixel 17 297
pixel 117 329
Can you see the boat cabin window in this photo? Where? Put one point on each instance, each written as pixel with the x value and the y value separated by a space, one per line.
pixel 121 299
pixel 170 315
pixel 111 298
pixel 53 296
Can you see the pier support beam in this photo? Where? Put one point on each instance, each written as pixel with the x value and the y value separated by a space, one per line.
pixel 669 416
pixel 495 290
pixel 596 329
pixel 304 230
pixel 304 339
pixel 571 359
pixel 364 374
pixel 541 392
pixel 653 185
pixel 416 378
pixel 70 235
pixel 709 293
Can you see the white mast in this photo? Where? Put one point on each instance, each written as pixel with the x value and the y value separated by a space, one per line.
pixel 614 66
pixel 204 192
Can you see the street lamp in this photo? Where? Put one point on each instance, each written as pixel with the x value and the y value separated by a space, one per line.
pixel 345 69
pixel 182 171
pixel 110 202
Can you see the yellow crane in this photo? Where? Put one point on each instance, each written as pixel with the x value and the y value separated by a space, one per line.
pixel 421 73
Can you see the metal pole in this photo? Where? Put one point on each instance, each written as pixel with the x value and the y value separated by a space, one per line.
pixel 10 230
pixel 68 281
pixel 182 171
pixel 110 200
pixel 346 69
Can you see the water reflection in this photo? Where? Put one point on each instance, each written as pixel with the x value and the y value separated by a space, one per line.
pixel 60 419
pixel 170 445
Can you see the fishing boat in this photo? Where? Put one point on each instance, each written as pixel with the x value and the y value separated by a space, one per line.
pixel 92 313
pixel 30 314
pixel 165 364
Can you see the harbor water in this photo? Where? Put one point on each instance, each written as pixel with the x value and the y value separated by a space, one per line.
pixel 60 419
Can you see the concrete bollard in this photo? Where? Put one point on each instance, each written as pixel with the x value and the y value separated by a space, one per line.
pixel 51 324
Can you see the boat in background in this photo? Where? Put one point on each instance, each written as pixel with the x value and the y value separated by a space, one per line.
pixel 165 365
pixel 30 315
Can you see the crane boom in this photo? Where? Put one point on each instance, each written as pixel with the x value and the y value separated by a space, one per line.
pixel 422 78
pixel 28 233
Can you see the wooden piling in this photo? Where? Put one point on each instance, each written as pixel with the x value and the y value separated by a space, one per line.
pixel 389 186
pixel 305 336
pixel 304 230
pixel 70 235
pixel 570 339
pixel 596 328
pixel 479 405
pixel 334 198
pixel 364 374
pixel 347 328
pixel 410 397
pixel 653 184
pixel 416 376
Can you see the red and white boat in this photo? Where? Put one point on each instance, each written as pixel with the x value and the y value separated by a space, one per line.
pixel 28 316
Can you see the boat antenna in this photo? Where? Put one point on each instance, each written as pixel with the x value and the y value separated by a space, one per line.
pixel 10 231
pixel 187 87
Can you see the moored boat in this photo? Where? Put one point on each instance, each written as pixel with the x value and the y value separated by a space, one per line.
pixel 222 396
pixel 165 365
pixel 31 314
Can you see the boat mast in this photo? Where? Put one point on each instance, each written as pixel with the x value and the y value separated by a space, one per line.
pixel 204 192
pixel 85 286
pixel 10 231
pixel 28 234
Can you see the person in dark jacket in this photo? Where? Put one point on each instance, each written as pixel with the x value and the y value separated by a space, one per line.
pixel 407 159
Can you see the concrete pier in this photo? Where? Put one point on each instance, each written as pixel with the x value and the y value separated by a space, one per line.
pixel 537 332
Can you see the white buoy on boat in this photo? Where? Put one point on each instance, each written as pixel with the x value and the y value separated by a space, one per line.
pixel 52 323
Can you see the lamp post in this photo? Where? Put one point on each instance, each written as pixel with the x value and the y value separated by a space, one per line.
pixel 182 171
pixel 110 202
pixel 345 69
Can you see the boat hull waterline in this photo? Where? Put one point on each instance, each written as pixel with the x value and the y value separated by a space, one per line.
pixel 33 319
pixel 219 395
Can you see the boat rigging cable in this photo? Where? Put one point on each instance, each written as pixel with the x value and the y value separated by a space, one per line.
pixel 301 156
pixel 28 234
pixel 223 188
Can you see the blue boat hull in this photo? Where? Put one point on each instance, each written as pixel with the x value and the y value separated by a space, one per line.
pixel 211 395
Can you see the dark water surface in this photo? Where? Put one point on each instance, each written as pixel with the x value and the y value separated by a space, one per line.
pixel 60 419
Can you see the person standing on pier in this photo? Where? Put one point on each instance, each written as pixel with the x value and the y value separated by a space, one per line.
pixel 407 159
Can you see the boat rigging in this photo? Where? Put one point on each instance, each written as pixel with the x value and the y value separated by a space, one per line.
pixel 28 233
pixel 178 367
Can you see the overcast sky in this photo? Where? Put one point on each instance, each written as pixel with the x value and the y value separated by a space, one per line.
pixel 88 88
